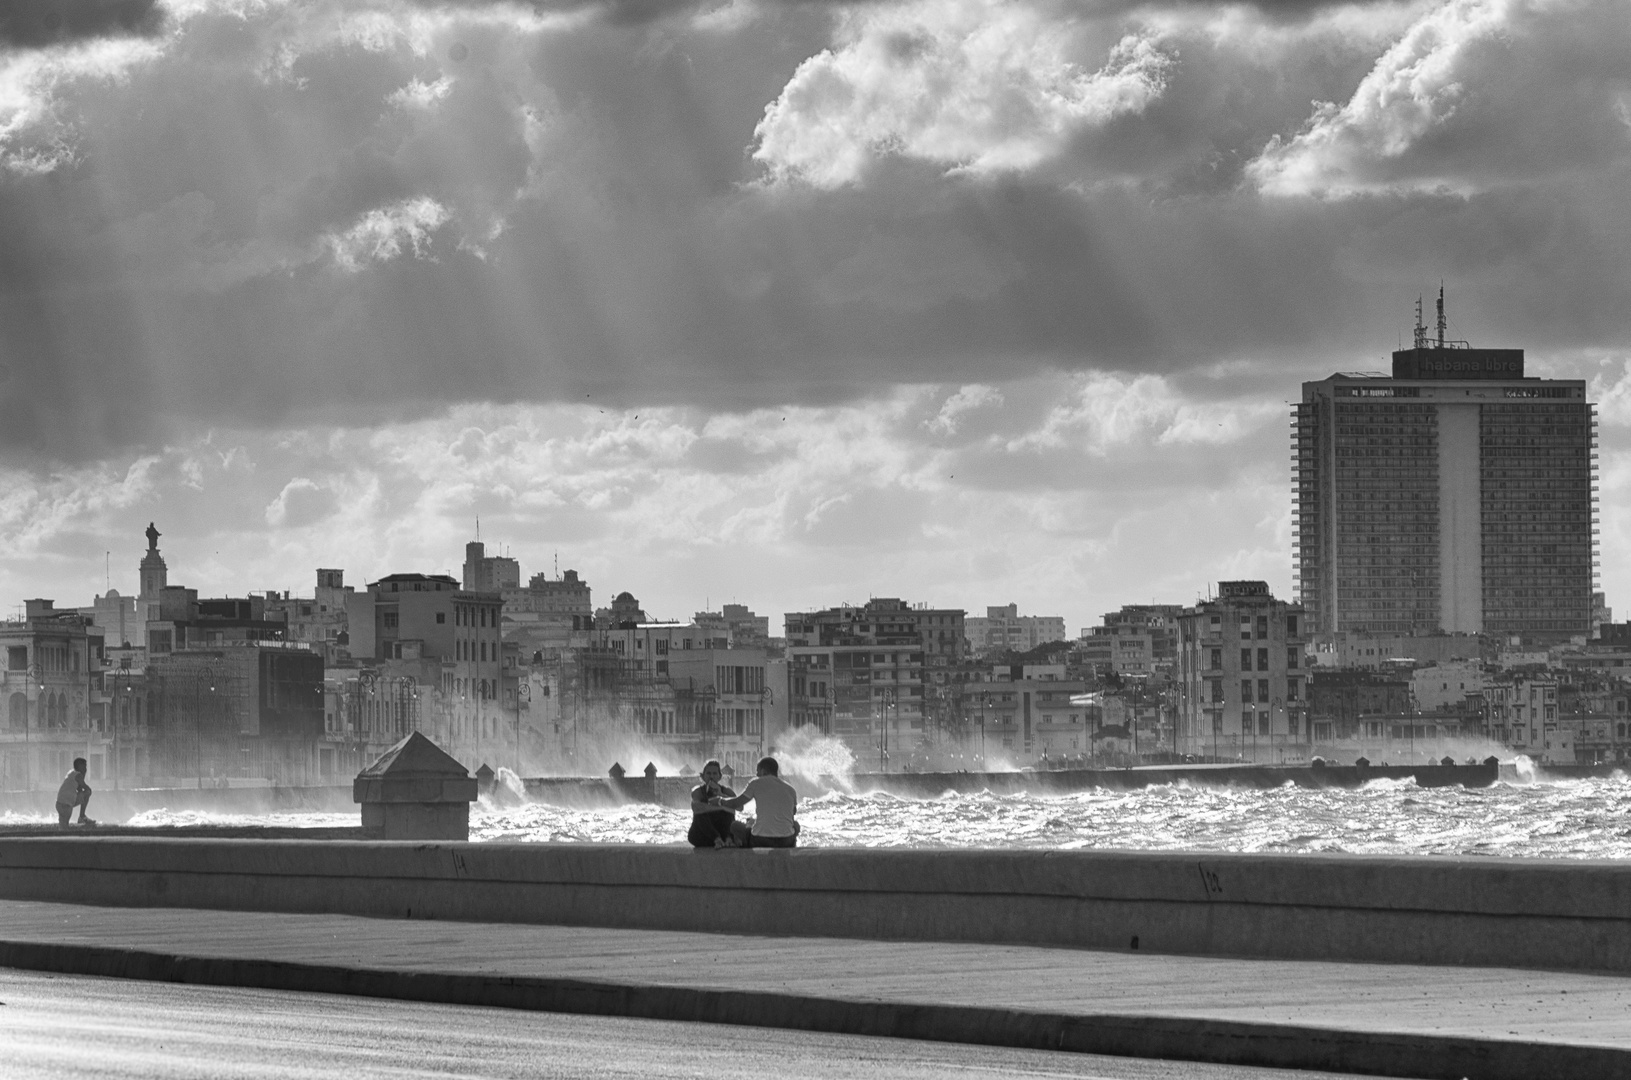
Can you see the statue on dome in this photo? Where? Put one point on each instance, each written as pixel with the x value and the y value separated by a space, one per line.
pixel 152 537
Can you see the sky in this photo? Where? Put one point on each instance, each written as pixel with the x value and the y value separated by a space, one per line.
pixel 787 303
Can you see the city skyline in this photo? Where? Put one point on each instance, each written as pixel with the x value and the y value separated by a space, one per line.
pixel 320 284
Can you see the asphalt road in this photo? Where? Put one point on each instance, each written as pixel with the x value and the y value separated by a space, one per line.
pixel 54 1026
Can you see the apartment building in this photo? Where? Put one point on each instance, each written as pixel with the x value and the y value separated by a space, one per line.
pixel 1242 677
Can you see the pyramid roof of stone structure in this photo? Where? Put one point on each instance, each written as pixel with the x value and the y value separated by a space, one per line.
pixel 415 756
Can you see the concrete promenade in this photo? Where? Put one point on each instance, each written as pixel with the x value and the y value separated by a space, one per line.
pixel 1382 1019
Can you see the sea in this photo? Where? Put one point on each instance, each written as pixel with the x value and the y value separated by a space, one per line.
pixel 1528 817
pixel 1561 819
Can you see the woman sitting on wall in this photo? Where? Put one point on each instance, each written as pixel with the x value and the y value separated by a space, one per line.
pixel 712 826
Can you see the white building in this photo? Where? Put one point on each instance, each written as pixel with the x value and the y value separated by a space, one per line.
pixel 1005 628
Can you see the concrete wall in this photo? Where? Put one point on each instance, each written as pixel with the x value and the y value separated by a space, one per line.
pixel 676 790
pixel 114 806
pixel 1518 913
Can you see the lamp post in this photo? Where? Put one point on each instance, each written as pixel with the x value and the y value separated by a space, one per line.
pixel 407 697
pixel 523 692
pixel 1217 722
pixel 36 681
pixel 985 704
pixel 766 696
pixel 121 706
pixel 367 683
pixel 206 675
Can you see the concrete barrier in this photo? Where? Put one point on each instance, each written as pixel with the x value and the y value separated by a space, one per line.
pixel 110 805
pixel 1511 913
pixel 597 791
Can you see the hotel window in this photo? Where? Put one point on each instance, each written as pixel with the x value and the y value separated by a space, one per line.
pixel 1263 691
pixel 1262 659
pixel 1246 691
pixel 1245 659
pixel 1291 657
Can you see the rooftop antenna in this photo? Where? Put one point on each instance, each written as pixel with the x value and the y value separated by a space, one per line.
pixel 478 518
pixel 1441 314
pixel 1421 330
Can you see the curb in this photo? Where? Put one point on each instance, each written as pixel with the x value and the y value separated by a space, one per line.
pixel 1426 1057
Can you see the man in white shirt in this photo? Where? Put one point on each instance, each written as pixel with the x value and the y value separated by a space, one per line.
pixel 74 792
pixel 775 803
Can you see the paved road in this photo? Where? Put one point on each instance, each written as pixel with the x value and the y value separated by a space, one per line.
pixel 54 1026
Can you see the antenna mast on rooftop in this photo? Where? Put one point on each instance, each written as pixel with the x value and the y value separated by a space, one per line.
pixel 1421 330
pixel 1441 314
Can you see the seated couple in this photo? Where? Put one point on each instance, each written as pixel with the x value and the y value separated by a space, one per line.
pixel 713 806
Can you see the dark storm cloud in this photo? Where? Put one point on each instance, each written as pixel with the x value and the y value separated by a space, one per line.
pixel 35 23
pixel 297 216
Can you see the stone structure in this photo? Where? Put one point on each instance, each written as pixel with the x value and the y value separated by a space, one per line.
pixel 416 792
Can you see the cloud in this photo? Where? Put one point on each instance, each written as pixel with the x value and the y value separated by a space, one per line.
pixel 302 502
pixel 277 214
pixel 380 235
pixel 966 399
pixel 977 85
pixel 37 135
pixel 1468 98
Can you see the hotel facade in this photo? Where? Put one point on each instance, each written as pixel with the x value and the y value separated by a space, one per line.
pixel 1455 495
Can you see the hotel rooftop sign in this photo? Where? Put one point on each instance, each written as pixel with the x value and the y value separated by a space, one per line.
pixel 1432 363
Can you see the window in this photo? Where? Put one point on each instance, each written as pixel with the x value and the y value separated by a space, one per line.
pixel 1291 689
pixel 388 620
pixel 1262 627
pixel 1217 660
pixel 1262 659
pixel 1291 626
pixel 661 645
pixel 17 658
pixel 1245 659
pixel 1246 691
pixel 1291 724
pixel 1291 657
pixel 441 616
pixel 1263 691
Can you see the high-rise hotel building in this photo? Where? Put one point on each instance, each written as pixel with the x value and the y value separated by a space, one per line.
pixel 1457 495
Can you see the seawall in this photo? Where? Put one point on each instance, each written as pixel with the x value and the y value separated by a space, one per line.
pixel 1508 913
pixel 675 790
pixel 120 805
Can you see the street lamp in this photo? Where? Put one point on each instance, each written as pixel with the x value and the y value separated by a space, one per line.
pixel 207 674
pixel 407 695
pixel 121 705
pixel 36 678
pixel 985 704
pixel 523 692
